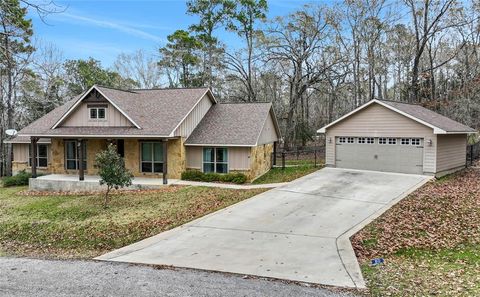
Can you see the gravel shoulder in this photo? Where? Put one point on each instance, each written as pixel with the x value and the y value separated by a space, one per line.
pixel 32 277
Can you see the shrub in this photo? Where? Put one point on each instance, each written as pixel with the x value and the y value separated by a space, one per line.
pixel 20 179
pixel 239 178
pixel 194 175
pixel 112 171
pixel 211 177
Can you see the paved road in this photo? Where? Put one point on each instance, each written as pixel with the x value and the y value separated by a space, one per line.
pixel 27 277
pixel 296 232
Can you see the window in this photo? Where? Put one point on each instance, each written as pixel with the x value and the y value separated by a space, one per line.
pixel 341 140
pixel 392 141
pixel 382 141
pixel 42 155
pixel 72 156
pixel 370 140
pixel 351 140
pixel 152 157
pixel 97 113
pixel 215 160
pixel 415 141
pixel 361 140
pixel 405 141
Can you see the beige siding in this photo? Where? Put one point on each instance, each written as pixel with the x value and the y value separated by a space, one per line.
pixel 238 158
pixel 21 155
pixel 451 152
pixel 20 152
pixel 379 121
pixel 195 116
pixel 194 157
pixel 81 118
pixel 269 133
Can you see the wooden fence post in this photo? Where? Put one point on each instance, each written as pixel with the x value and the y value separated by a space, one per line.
pixel 315 165
pixel 283 160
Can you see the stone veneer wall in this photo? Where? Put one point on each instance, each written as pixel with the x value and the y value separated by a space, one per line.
pixel 260 160
pixel 58 156
pixel 176 157
pixel 94 146
pixel 19 166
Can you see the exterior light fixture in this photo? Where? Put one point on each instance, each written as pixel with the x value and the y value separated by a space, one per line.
pixel 330 140
pixel 430 142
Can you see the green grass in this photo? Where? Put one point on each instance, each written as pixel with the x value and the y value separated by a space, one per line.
pixel 66 226
pixel 279 175
pixel 418 272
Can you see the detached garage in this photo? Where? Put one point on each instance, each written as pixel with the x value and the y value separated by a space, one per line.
pixel 396 137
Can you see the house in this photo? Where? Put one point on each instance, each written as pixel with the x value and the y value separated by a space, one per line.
pixel 184 128
pixel 396 137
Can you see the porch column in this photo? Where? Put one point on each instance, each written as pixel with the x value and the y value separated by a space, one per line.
pixel 165 167
pixel 81 172
pixel 33 149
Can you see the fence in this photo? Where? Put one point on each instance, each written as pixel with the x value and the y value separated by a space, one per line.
pixel 473 153
pixel 312 156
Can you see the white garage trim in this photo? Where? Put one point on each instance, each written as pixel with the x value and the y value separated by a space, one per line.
pixel 436 130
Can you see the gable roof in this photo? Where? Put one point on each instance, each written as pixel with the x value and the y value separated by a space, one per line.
pixel 102 91
pixel 154 113
pixel 439 123
pixel 232 124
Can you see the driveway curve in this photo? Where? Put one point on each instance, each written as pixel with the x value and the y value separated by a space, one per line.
pixel 298 232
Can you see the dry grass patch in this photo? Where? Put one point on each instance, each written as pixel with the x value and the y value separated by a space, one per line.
pixel 66 226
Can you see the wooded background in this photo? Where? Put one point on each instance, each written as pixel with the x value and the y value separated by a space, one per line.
pixel 314 64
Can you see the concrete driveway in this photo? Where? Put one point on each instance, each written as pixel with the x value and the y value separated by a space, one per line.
pixel 296 232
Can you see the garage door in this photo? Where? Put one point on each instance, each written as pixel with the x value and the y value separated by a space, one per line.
pixel 389 154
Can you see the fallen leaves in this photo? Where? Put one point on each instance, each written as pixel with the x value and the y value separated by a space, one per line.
pixel 430 241
pixel 76 225
pixel 442 214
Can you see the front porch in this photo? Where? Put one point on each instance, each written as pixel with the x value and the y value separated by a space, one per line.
pixel 71 183
pixel 74 159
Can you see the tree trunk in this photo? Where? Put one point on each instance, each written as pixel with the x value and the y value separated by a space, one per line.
pixel 106 201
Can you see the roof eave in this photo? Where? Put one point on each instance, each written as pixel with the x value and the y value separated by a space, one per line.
pixel 96 136
pixel 454 132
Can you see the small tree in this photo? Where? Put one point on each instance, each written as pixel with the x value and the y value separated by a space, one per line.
pixel 112 171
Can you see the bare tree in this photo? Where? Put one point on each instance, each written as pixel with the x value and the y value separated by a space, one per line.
pixel 302 46
pixel 141 67
pixel 429 18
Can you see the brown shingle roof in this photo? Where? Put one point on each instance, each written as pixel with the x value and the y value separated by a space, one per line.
pixel 231 124
pixel 158 112
pixel 430 117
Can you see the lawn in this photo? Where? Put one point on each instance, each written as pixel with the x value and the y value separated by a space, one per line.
pixel 76 226
pixel 430 241
pixel 279 175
